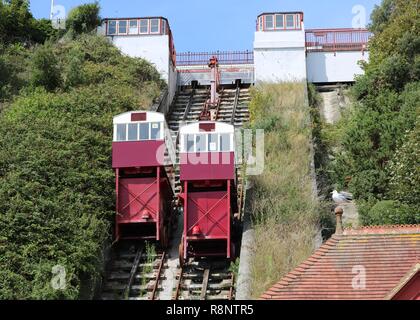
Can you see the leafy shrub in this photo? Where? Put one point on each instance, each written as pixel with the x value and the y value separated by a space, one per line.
pixel 390 212
pixel 13 70
pixel 375 159
pixel 45 69
pixel 83 19
pixel 404 170
pixel 56 181
pixel 18 25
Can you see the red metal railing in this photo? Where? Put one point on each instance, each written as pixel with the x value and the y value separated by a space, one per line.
pixel 337 40
pixel 224 57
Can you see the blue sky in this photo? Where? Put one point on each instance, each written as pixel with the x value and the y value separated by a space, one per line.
pixel 202 25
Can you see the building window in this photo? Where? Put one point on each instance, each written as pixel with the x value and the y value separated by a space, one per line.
pixel 133 27
pixel 200 143
pixel 279 21
pixel 290 21
pixel 260 23
pixel 112 27
pixel 298 21
pixel 132 132
pixel 154 26
pixel 121 132
pixel 122 27
pixel 213 143
pixel 189 143
pixel 144 131
pixel 144 26
pixel 155 131
pixel 224 142
pixel 163 26
pixel 269 23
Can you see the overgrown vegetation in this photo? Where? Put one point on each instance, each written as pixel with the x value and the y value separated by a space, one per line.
pixel 147 269
pixel 83 19
pixel 378 158
pixel 285 210
pixel 17 25
pixel 56 181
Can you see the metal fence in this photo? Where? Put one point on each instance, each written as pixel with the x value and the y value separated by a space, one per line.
pixel 337 39
pixel 225 58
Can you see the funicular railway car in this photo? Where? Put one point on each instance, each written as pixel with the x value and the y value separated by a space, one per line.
pixel 209 196
pixel 142 158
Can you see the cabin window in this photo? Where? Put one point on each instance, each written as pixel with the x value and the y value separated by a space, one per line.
pixel 112 27
pixel 225 142
pixel 290 21
pixel 144 131
pixel 200 143
pixel 213 143
pixel 144 26
pixel 260 23
pixel 134 27
pixel 121 132
pixel 163 22
pixel 154 26
pixel 189 142
pixel 298 21
pixel 122 27
pixel 155 130
pixel 269 23
pixel 132 132
pixel 279 21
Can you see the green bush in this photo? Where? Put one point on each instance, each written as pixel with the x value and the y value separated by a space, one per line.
pixel 375 159
pixel 13 70
pixel 56 181
pixel 45 68
pixel 404 170
pixel 83 19
pixel 390 212
pixel 18 25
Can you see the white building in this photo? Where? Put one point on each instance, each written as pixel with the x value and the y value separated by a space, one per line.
pixel 149 38
pixel 279 47
pixel 284 51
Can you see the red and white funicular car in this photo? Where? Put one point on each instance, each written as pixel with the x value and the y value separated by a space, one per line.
pixel 144 191
pixel 208 178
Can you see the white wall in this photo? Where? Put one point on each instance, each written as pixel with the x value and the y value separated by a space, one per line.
pixel 327 67
pixel 172 83
pixel 153 48
pixel 277 65
pixel 280 56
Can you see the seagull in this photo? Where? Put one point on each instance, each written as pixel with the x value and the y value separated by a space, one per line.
pixel 341 197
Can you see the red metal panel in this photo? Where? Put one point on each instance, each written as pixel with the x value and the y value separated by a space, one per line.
pixel 208 127
pixel 186 208
pixel 137 196
pixel 158 206
pixel 207 166
pixel 138 154
pixel 117 184
pixel 210 212
pixel 139 116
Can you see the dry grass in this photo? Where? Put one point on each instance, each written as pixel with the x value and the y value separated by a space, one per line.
pixel 285 211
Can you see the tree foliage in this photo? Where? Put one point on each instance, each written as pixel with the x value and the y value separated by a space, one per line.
pixel 18 25
pixel 56 181
pixel 83 19
pixel 376 133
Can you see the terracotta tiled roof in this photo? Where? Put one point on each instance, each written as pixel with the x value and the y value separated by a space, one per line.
pixel 335 271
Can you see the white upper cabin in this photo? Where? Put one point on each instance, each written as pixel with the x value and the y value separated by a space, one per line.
pixel 207 136
pixel 139 126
